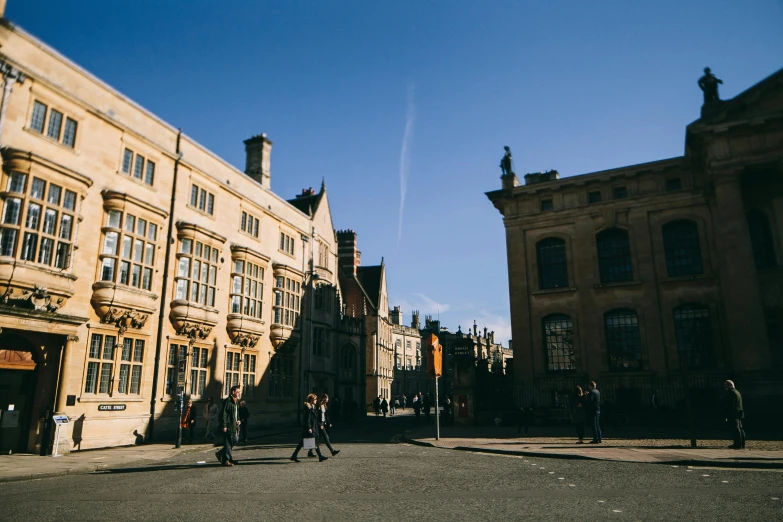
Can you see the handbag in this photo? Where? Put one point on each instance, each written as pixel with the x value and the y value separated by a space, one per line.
pixel 308 443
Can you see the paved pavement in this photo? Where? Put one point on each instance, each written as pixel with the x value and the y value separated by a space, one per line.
pixel 375 477
pixel 635 446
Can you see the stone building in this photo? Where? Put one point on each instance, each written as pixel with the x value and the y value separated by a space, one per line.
pixel 135 263
pixel 410 376
pixel 659 276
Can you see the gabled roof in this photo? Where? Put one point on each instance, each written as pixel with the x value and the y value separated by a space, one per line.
pixel 307 203
pixel 370 280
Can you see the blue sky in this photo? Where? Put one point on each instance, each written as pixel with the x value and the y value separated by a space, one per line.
pixel 404 106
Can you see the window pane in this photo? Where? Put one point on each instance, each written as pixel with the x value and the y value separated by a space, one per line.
pixel 152 232
pixel 90 385
pixel 138 351
pixel 683 254
pixel 130 223
pixel 69 136
pixel 29 246
pixel 202 199
pixel 55 124
pixel 113 219
pixel 12 211
pixel 552 263
pixel 623 343
pixel 66 223
pixel 37 189
pixel 135 379
pixel 185 246
pixel 138 250
pixel 614 256
pixel 124 273
pixel 127 247
pixel 558 342
pixel 63 258
pixel 127 160
pixel 196 269
pixel 193 196
pixel 33 216
pixel 45 254
pixel 110 243
pixel 108 347
pixel 7 241
pixel 16 182
pixel 39 115
pixel 236 303
pixel 210 204
pixel 146 281
pixel 141 227
pixel 183 270
pixel 50 221
pixel 149 253
pixel 136 275
pixel 182 288
pixel 149 176
pixel 95 346
pixel 127 345
pixel 54 194
pixel 211 296
pixel 138 170
pixel 107 269
pixel 103 386
pixel 239 267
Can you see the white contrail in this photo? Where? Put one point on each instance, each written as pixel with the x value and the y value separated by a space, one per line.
pixel 405 160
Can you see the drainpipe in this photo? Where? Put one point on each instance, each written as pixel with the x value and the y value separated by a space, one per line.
pixel 164 292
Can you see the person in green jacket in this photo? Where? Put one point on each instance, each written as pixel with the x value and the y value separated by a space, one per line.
pixel 229 426
pixel 734 414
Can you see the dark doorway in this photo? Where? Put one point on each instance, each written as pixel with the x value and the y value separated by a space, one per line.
pixel 17 392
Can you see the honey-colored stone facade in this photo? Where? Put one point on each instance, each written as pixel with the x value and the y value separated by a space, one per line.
pixel 125 244
pixel 659 276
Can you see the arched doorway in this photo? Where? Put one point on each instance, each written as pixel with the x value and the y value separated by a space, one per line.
pixel 18 377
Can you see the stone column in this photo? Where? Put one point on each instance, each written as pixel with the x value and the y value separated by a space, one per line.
pixel 67 372
pixel 744 312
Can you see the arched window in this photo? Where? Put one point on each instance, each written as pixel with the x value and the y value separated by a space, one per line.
pixel 761 240
pixel 623 343
pixel 614 255
pixel 348 362
pixel 683 254
pixel 558 335
pixel 552 267
pixel 694 335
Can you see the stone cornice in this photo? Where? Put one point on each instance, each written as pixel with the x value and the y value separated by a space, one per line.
pixel 239 249
pixel 183 228
pixel 20 161
pixel 111 195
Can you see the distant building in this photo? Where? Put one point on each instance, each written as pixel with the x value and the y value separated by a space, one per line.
pixel 661 275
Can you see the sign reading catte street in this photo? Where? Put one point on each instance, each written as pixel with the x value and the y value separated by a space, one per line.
pixel 111 407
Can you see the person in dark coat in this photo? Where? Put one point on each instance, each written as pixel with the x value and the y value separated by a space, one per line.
pixel 324 424
pixel 229 426
pixel 734 414
pixel 593 411
pixel 376 403
pixel 244 415
pixel 578 413
pixel 385 406
pixel 309 428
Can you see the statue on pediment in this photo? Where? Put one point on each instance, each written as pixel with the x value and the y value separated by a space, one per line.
pixel 709 86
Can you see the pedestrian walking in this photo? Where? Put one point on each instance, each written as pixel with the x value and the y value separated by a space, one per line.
pixel 207 416
pixel 309 428
pixel 324 424
pixel 404 402
pixel 395 404
pixel 229 425
pixel 376 404
pixel 593 411
pixel 416 407
pixel 384 406
pixel 189 420
pixel 734 414
pixel 244 415
pixel 578 413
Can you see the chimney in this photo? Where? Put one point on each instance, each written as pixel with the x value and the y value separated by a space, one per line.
pixel 415 323
pixel 257 152
pixel 348 257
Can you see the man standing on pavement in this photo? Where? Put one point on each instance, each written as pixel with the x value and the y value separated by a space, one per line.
pixel 229 426
pixel 593 411
pixel 734 414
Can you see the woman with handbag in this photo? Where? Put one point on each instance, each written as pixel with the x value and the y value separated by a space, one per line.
pixel 324 424
pixel 309 429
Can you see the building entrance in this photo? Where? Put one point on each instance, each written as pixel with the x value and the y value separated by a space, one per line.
pixel 18 378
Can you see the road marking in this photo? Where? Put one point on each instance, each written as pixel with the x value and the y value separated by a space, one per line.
pixel 725 481
pixel 775 498
pixel 705 475
pixel 601 501
pixel 562 478
pixel 675 466
pixel 572 485
pixel 616 511
pixel 551 472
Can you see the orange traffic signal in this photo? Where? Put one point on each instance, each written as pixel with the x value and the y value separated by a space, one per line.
pixel 434 356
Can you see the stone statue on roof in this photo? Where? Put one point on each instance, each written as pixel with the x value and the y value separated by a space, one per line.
pixel 709 86
pixel 506 163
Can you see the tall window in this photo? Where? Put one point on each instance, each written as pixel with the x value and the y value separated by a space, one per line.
pixel 247 289
pixel 594 197
pixel 196 272
pixel 202 200
pixel 128 255
pixel 348 363
pixel 321 342
pixel 683 254
pixel 761 240
pixel 558 335
pixel 100 363
pixel 233 361
pixel 286 243
pixel 138 167
pixel 177 352
pixel 131 358
pixel 54 125
pixel 286 308
pixel 552 263
pixel 249 224
pixel 248 375
pixel 281 377
pixel 694 335
pixel 623 343
pixel 38 221
pixel 198 370
pixel 614 256
pixel 323 254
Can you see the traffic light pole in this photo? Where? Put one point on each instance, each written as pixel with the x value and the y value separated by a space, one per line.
pixel 437 414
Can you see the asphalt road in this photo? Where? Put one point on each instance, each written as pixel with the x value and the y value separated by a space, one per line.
pixel 377 478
